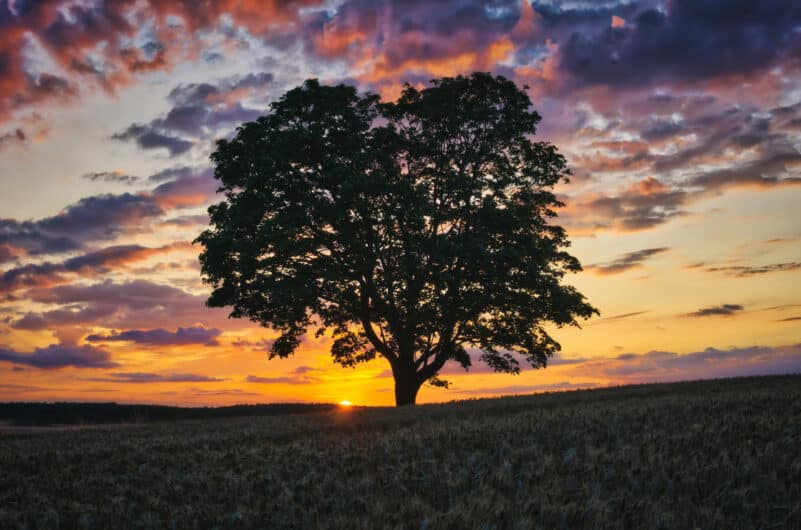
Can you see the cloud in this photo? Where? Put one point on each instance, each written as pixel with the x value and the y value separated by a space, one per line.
pixel 116 177
pixel 711 363
pixel 685 41
pixel 626 262
pixel 188 187
pixel 71 316
pixel 416 40
pixel 262 345
pixel 746 271
pixel 625 315
pixel 91 219
pixel 644 205
pixel 48 274
pixel 720 310
pixel 163 337
pixel 760 173
pixel 306 369
pixel 296 378
pixel 148 137
pixel 144 377
pixel 198 110
pixel 238 86
pixel 107 216
pixel 133 304
pixel 106 45
pixel 60 356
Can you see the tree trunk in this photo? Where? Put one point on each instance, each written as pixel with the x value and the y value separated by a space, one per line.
pixel 406 390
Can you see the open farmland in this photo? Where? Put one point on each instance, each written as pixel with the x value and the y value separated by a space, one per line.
pixel 717 454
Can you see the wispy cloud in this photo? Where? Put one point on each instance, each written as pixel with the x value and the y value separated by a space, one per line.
pixel 626 262
pixel 719 310
pixel 146 377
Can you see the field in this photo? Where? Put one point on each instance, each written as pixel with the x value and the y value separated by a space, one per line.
pixel 717 454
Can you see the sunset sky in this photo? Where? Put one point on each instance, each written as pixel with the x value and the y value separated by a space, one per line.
pixel 680 119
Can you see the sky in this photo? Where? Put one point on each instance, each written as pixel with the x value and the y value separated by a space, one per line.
pixel 680 119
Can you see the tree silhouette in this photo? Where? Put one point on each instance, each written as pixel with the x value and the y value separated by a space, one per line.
pixel 409 230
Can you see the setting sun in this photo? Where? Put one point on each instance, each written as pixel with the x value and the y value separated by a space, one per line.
pixel 345 403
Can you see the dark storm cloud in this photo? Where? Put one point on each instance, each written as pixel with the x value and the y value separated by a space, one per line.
pixel 163 337
pixel 628 261
pixel 59 356
pixel 147 136
pixel 687 41
pixel 719 310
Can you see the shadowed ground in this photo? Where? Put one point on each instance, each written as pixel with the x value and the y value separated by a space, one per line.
pixel 717 454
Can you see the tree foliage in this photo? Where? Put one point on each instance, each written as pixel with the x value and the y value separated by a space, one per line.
pixel 410 230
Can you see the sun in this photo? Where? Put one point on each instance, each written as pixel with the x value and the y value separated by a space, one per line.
pixel 345 403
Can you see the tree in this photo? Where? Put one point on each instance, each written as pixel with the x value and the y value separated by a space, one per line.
pixel 410 230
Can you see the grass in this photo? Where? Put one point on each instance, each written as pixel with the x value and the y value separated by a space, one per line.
pixel 715 454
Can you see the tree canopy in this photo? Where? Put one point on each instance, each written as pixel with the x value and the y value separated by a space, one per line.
pixel 413 230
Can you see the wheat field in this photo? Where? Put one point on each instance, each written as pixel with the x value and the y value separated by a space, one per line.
pixel 715 454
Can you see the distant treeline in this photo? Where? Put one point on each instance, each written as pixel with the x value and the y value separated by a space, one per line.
pixel 62 413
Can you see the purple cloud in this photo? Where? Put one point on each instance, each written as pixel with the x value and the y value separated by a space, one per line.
pixel 95 218
pixel 147 136
pixel 664 366
pixel 686 40
pixel 60 356
pixel 138 304
pixel 162 337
